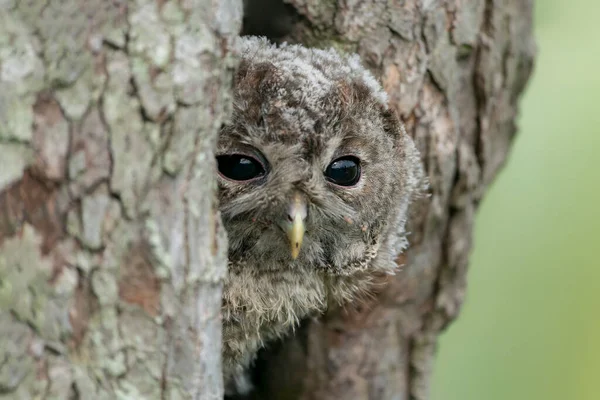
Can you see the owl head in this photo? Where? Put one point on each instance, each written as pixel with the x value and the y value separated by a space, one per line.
pixel 314 170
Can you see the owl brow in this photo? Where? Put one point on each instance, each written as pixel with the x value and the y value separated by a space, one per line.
pixel 355 145
pixel 314 146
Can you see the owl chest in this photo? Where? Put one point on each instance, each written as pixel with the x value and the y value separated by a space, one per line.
pixel 284 297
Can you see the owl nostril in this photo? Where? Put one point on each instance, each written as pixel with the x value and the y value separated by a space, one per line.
pixel 297 208
pixel 292 214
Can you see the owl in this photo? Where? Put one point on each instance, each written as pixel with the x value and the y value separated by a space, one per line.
pixel 315 175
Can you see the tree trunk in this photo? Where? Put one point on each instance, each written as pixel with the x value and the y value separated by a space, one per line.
pixel 111 252
pixel 454 70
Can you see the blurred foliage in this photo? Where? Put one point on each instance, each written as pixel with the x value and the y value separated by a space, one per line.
pixel 530 325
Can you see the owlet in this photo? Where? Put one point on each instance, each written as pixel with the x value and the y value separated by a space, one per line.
pixel 316 175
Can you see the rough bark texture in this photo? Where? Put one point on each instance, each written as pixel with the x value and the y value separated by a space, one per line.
pixel 454 70
pixel 111 253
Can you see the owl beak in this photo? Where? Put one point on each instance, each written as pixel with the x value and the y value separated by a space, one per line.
pixel 294 225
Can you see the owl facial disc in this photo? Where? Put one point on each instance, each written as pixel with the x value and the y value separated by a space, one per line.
pixel 294 223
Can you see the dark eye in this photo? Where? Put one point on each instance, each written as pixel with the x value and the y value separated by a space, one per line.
pixel 344 171
pixel 239 167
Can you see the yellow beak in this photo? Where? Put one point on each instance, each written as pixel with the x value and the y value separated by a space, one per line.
pixel 294 225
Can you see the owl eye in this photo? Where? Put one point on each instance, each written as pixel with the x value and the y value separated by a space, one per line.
pixel 344 171
pixel 240 167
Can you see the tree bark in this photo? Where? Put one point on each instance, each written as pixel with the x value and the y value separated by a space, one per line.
pixel 454 71
pixel 111 252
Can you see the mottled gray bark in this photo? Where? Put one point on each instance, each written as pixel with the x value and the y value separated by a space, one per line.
pixel 454 70
pixel 111 253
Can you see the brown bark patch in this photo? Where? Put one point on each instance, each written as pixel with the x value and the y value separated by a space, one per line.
pixel 391 78
pixel 138 283
pixel 33 201
pixel 50 138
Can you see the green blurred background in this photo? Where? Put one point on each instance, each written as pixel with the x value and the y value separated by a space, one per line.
pixel 530 325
